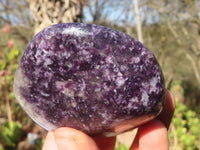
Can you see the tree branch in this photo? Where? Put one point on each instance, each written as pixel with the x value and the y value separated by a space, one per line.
pixel 138 21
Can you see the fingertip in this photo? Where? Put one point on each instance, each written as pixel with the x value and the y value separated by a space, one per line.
pixel 170 98
pixel 152 136
pixel 151 126
pixel 168 109
pixel 49 143
pixel 69 138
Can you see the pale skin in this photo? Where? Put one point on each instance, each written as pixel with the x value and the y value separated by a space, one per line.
pixel 150 136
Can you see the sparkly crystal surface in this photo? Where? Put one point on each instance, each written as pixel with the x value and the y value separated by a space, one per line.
pixel 89 77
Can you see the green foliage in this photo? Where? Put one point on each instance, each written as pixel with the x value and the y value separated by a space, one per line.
pixel 40 144
pixel 12 54
pixel 2 63
pixel 1 147
pixel 122 147
pixel 160 37
pixel 187 128
pixel 11 134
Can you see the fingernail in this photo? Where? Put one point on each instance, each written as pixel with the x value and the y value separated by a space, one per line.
pixel 65 141
pixel 49 143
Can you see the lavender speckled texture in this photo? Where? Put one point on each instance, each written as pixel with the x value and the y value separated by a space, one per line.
pixel 89 77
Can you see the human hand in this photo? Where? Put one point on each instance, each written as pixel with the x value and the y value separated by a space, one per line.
pixel 152 135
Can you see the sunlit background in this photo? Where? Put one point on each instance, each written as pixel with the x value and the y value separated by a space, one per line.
pixel 169 28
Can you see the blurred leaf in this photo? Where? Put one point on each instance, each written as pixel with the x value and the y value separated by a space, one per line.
pixel 13 54
pixel 189 114
pixel 11 95
pixel 1 147
pixel 14 68
pixel 2 63
pixel 40 144
pixel 187 127
pixel 11 133
pixel 122 147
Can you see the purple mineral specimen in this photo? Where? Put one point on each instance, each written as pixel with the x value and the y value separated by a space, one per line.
pixel 88 77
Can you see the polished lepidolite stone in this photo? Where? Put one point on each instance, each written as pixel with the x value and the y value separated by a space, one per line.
pixel 88 77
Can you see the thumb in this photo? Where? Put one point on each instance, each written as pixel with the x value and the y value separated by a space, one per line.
pixel 68 139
